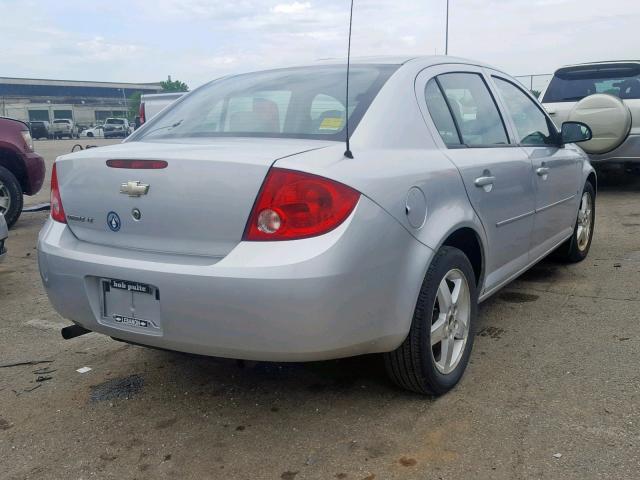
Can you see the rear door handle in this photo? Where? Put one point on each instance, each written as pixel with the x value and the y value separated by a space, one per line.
pixel 542 171
pixel 484 181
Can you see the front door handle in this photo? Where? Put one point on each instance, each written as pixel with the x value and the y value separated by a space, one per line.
pixel 484 181
pixel 542 171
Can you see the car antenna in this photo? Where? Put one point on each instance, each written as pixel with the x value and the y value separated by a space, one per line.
pixel 347 152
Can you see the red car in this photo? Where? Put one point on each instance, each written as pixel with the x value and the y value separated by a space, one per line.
pixel 21 169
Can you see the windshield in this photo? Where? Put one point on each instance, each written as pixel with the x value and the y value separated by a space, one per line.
pixel 115 121
pixel 289 103
pixel 572 84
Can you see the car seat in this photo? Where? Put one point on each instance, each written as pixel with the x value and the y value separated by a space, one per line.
pixel 263 118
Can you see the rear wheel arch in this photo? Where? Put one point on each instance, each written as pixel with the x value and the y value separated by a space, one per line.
pixel 592 179
pixel 468 241
pixel 12 162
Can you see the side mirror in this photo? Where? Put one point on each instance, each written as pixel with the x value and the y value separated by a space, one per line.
pixel 575 132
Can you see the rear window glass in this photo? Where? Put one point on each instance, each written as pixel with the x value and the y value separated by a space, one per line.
pixel 61 121
pixel 115 121
pixel 574 83
pixel 304 102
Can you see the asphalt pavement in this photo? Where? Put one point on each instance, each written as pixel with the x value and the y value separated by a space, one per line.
pixel 552 391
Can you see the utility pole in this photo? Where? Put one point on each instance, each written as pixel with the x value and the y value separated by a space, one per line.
pixel 446 44
pixel 125 103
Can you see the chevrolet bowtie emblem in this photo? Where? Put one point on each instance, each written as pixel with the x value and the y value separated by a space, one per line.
pixel 134 189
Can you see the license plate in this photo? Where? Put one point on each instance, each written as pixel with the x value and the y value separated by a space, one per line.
pixel 131 306
pixel 130 286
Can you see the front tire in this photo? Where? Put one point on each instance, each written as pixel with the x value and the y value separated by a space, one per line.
pixel 10 197
pixel 433 357
pixel 577 247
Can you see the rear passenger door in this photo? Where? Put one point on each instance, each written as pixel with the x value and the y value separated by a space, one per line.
pixel 497 174
pixel 557 169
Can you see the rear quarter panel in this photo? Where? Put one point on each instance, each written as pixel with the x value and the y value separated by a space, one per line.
pixel 27 165
pixel 393 152
pixel 634 106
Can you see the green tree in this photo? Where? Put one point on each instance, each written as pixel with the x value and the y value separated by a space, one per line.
pixel 134 104
pixel 169 85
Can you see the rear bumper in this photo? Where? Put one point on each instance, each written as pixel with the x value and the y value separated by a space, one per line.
pixel 349 292
pixel 35 168
pixel 627 153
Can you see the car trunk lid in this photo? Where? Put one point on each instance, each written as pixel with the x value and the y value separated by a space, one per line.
pixel 197 205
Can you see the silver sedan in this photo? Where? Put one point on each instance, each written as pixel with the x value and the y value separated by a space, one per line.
pixel 234 225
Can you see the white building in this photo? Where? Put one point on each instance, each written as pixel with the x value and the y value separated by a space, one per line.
pixel 86 103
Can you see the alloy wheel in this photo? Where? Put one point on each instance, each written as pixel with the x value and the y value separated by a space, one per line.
pixel 5 199
pixel 450 321
pixel 585 221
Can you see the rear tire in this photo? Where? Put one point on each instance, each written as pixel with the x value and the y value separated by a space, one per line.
pixel 10 197
pixel 577 247
pixel 442 322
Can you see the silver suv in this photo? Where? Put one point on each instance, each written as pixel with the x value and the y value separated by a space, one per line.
pixel 606 95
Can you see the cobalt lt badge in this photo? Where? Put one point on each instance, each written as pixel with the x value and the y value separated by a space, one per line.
pixel 113 221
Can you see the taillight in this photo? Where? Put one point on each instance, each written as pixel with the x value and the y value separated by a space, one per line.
pixel 26 136
pixel 141 113
pixel 293 205
pixel 57 211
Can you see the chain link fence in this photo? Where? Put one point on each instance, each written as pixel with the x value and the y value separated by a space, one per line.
pixel 535 83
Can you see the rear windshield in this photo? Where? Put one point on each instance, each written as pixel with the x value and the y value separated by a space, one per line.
pixel 61 121
pixel 304 102
pixel 574 83
pixel 116 121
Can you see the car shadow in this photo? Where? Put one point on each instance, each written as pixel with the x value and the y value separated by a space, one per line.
pixel 215 377
pixel 618 182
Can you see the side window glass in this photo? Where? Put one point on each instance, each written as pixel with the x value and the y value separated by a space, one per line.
pixel 474 109
pixel 531 124
pixel 440 114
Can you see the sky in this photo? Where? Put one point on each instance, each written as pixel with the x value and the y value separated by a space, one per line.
pixel 199 40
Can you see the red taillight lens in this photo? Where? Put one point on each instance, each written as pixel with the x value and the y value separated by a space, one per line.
pixel 57 211
pixel 141 113
pixel 293 205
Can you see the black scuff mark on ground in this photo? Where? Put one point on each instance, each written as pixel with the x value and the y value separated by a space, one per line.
pixel 491 332
pixel 517 297
pixel 117 389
